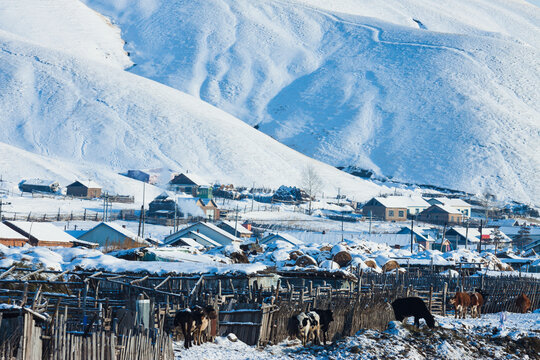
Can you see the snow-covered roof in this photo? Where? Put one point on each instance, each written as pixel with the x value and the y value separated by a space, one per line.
pixel 239 228
pixel 448 209
pixel 281 237
pixel 503 222
pixel 38 182
pixel 193 243
pixel 193 229
pixel 402 201
pixel 473 234
pixel 199 180
pixel 514 230
pixel 122 230
pixel 422 232
pixel 8 233
pixel 88 183
pixel 204 237
pixel 43 231
pixel 452 202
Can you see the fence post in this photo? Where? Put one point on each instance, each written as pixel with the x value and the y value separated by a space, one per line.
pixel 445 292
pixel 430 298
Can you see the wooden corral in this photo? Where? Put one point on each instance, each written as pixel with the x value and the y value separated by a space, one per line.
pixel 256 308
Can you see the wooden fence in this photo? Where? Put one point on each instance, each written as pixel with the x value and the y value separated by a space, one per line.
pixel 255 309
pixel 54 342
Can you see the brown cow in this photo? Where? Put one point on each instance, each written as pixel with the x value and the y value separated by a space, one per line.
pixel 523 303
pixel 477 300
pixel 461 302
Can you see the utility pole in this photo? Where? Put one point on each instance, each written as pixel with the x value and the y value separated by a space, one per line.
pixel 370 221
pixel 443 237
pixel 175 219
pixel 412 233
pixel 252 196
pixel 342 226
pixel 467 235
pixel 143 197
pixel 236 222
pixel 479 247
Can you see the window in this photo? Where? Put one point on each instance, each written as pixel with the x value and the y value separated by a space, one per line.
pixel 400 213
pixel 390 212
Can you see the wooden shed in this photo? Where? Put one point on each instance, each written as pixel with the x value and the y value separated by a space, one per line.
pixel 42 234
pixel 86 189
pixel 10 237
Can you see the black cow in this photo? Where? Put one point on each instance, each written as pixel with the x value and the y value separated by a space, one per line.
pixel 413 306
pixel 326 317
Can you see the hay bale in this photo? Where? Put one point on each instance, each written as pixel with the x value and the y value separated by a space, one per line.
pixel 371 263
pixel 343 258
pixel 305 260
pixel 326 248
pixel 503 267
pixel 239 258
pixel 390 265
pixel 339 248
pixel 293 255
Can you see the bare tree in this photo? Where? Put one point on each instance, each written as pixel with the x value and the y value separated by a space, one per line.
pixel 311 183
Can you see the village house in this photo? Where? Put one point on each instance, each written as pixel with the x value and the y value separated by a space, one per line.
pixel 234 228
pixel 191 184
pixel 169 205
pixel 85 189
pixel 460 205
pixel 163 206
pixel 39 185
pixel 272 239
pixel 206 234
pixel 10 237
pixel 441 214
pixel 390 208
pixel 113 235
pixel 45 234
pixel 423 236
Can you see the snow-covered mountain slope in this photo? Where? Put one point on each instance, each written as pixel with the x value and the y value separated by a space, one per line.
pixel 66 25
pixel 80 111
pixel 17 164
pixel 444 93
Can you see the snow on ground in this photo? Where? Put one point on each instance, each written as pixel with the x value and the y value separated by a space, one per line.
pixel 71 26
pixel 17 164
pixel 455 340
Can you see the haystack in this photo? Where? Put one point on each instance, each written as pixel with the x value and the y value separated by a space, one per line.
pixel 293 255
pixel 239 257
pixel 371 263
pixel 305 260
pixel 326 248
pixel 343 258
pixel 390 265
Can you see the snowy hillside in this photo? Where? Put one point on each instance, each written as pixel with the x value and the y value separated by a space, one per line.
pixel 80 111
pixel 445 93
pixel 17 164
pixel 65 25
